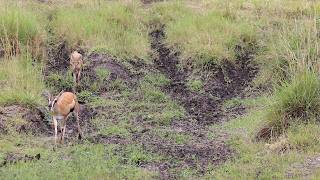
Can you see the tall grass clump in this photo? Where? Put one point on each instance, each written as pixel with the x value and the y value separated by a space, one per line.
pixel 294 101
pixel 116 28
pixel 20 82
pixel 20 30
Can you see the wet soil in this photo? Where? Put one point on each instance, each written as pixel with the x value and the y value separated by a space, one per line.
pixel 115 70
pixel 58 57
pixel 34 120
pixel 224 82
pixel 12 158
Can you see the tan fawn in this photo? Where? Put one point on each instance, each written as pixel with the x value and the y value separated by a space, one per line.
pixel 61 107
pixel 76 63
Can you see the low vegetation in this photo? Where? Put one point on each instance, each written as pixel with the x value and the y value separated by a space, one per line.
pixel 295 101
pixel 116 28
pixel 21 82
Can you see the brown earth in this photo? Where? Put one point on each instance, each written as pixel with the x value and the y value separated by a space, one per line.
pixel 204 107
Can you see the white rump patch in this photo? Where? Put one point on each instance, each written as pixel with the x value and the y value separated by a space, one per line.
pixel 59 118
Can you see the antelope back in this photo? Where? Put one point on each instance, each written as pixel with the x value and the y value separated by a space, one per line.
pixel 66 103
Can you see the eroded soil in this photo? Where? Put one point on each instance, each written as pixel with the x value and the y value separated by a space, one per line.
pixel 224 82
pixel 201 146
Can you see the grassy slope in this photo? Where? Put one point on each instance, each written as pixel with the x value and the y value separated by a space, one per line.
pixel 113 27
pixel 286 30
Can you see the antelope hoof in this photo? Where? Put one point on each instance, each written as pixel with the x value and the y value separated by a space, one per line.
pixel 80 137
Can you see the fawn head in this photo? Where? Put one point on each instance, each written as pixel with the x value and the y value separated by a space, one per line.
pixel 51 99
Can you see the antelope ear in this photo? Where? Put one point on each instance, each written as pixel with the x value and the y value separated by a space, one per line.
pixel 46 94
pixel 61 92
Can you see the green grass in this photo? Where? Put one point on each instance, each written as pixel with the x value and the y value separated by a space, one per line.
pixel 82 161
pixel 114 27
pixel 58 81
pixel 209 37
pixel 195 84
pixel 295 101
pixel 253 159
pixel 20 30
pixel 21 82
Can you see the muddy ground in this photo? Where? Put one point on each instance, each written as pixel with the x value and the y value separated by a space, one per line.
pixel 204 108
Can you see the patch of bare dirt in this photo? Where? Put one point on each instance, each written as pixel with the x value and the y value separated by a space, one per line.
pixel 109 64
pixel 34 120
pixel 304 170
pixel 199 106
pixel 198 153
pixel 224 81
pixel 58 57
pixel 12 158
pixel 38 121
pixel 85 116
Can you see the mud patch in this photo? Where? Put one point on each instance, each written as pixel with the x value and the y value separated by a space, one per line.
pixel 37 123
pixel 199 106
pixel 85 116
pixel 34 120
pixel 104 69
pixel 103 139
pixel 13 158
pixel 198 154
pixel 222 82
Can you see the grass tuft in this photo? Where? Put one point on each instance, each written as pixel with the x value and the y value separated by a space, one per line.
pixel 298 100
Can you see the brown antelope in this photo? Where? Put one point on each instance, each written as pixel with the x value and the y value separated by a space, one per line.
pixel 61 107
pixel 76 63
